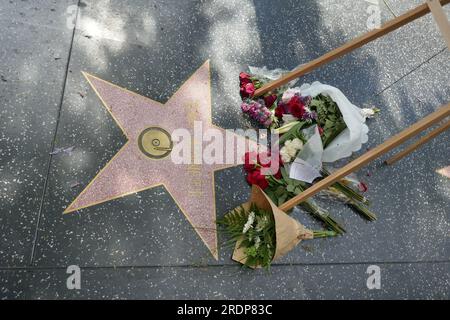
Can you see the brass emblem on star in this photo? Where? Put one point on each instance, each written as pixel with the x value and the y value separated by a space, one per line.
pixel 155 143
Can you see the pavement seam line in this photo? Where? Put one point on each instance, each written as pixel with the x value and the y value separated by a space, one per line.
pixel 420 65
pixel 196 266
pixel 53 143
pixel 386 3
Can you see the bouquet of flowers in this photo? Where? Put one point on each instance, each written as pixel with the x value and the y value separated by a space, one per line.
pixel 316 124
pixel 262 232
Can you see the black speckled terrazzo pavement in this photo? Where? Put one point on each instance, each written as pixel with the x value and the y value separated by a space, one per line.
pixel 141 245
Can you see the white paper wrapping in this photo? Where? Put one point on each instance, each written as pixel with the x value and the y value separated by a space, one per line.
pixel 271 74
pixel 353 137
pixel 349 140
pixel 306 167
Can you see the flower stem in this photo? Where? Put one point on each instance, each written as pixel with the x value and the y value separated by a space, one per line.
pixel 362 210
pixel 322 215
pixel 356 201
pixel 324 234
pixel 346 190
pixel 286 127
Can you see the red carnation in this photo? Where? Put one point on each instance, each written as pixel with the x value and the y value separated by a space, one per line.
pixel 247 90
pixel 244 78
pixel 296 107
pixel 269 100
pixel 264 159
pixel 255 177
pixel 250 160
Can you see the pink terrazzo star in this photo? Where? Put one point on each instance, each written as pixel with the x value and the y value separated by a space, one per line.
pixel 445 171
pixel 131 171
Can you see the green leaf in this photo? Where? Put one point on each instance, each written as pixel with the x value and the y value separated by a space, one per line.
pixel 282 199
pixel 328 124
pixel 280 191
pixel 285 175
pixel 270 193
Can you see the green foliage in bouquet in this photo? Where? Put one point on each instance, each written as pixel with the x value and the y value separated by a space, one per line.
pixel 329 118
pixel 256 231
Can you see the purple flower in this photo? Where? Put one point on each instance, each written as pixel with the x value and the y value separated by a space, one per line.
pixel 309 115
pixel 306 100
pixel 245 107
pixel 257 111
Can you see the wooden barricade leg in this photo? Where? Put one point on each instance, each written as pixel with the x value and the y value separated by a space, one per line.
pixel 441 19
pixel 418 143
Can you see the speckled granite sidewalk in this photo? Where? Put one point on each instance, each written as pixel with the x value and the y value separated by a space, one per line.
pixel 141 245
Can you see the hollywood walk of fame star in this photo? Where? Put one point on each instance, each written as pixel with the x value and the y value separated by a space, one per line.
pixel 144 161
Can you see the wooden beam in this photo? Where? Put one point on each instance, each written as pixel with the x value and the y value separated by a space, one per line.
pixel 418 143
pixel 372 154
pixel 358 42
pixel 441 19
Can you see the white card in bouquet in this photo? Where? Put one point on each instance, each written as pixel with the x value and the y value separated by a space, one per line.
pixel 303 171
pixel 306 167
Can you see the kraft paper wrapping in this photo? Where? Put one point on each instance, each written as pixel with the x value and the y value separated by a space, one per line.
pixel 288 231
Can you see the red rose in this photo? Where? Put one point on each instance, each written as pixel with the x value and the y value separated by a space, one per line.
pixel 249 89
pixel 296 107
pixel 269 100
pixel 250 160
pixel 278 175
pixel 243 94
pixel 255 177
pixel 264 159
pixel 279 111
pixel 244 78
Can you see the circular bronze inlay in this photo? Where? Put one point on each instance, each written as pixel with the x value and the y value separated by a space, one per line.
pixel 155 143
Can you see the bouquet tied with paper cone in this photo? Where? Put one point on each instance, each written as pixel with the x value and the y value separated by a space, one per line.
pixel 263 232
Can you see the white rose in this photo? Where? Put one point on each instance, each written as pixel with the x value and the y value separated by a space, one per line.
pixel 285 158
pixel 284 155
pixel 291 151
pixel 297 143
